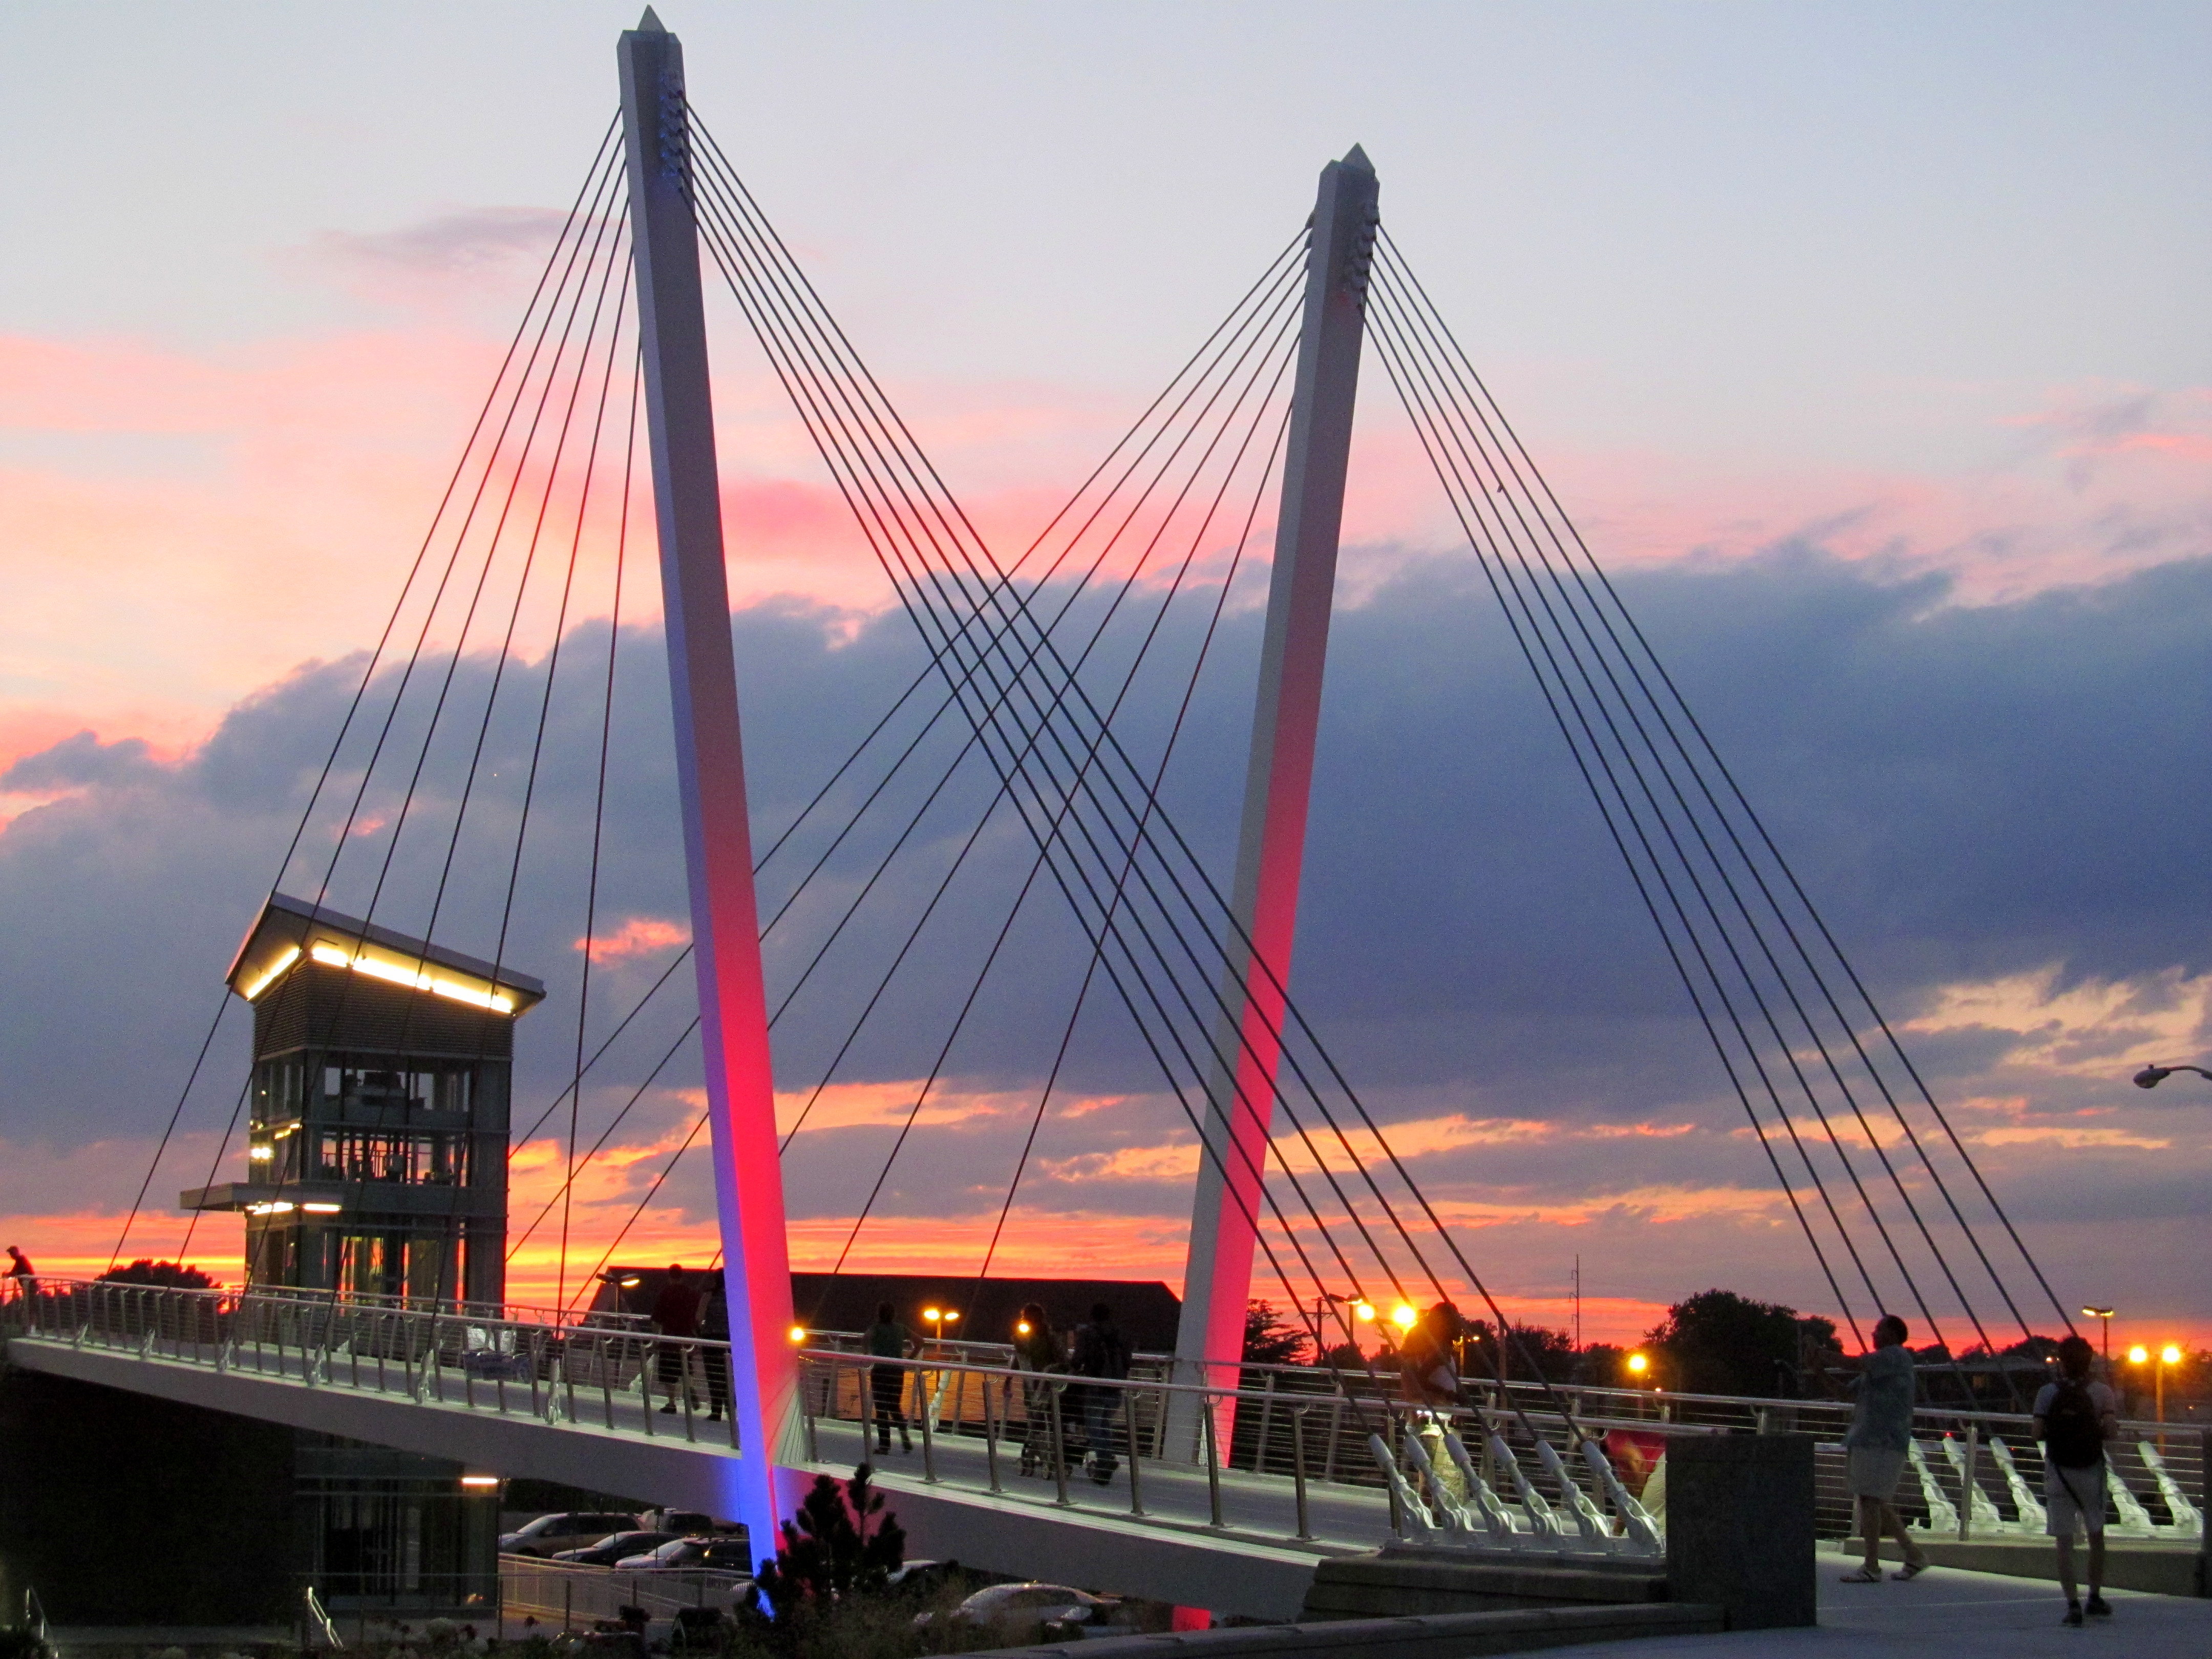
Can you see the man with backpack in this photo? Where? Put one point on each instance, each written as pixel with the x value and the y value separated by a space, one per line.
pixel 1101 1351
pixel 2074 1417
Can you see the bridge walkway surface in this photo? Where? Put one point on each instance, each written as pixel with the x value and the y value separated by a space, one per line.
pixel 1165 1541
pixel 1956 1614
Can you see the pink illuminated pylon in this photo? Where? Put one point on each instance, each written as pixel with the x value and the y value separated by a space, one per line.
pixel 711 774
pixel 1270 849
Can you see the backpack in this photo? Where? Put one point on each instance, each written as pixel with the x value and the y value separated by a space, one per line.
pixel 2073 1439
pixel 1100 1351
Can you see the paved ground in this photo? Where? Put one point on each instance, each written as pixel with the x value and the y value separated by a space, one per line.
pixel 1954 1614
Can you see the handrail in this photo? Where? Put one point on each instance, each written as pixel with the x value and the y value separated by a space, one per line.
pixel 451 1325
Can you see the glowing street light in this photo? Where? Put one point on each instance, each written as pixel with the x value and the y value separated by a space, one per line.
pixel 2105 1314
pixel 797 1334
pixel 1364 1312
pixel 939 1318
pixel 1403 1316
pixel 1639 1363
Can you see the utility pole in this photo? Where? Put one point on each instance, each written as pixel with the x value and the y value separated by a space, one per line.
pixel 1278 782
pixel 711 776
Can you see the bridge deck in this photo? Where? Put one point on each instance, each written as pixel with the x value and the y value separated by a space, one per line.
pixel 1252 1564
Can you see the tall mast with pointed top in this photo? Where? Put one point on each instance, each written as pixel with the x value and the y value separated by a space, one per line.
pixel 1278 779
pixel 711 774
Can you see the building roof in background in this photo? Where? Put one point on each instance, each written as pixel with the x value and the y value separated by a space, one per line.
pixel 288 930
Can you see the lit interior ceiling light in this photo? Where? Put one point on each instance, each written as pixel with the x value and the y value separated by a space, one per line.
pixel 480 1481
pixel 290 956
pixel 278 1208
pixel 474 993
pixel 322 1209
pixel 260 1153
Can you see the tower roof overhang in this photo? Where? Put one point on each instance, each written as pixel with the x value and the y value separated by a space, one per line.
pixel 290 932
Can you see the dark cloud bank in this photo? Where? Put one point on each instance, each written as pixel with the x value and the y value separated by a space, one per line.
pixel 1968 792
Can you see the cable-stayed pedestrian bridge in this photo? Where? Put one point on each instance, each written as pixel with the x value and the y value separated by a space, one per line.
pixel 1013 834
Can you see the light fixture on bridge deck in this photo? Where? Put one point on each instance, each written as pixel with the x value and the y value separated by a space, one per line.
pixel 378 1137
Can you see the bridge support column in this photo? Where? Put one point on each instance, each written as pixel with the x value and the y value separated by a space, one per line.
pixel 711 772
pixel 1270 849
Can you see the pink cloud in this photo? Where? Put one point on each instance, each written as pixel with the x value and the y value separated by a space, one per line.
pixel 641 936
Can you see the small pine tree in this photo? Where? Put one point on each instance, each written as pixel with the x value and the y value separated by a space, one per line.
pixel 828 1552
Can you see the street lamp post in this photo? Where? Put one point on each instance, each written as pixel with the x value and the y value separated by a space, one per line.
pixel 1359 1311
pixel 2151 1076
pixel 2105 1314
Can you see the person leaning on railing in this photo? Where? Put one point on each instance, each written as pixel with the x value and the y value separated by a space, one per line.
pixel 22 1273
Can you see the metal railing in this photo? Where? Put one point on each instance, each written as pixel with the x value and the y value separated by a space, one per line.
pixel 1286 1452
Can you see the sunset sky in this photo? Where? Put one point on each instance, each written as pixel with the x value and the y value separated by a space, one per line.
pixel 1867 345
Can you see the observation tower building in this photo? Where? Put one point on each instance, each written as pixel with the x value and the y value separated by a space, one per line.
pixel 377 1143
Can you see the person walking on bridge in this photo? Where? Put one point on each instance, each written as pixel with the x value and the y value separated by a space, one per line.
pixel 1037 1348
pixel 2074 1418
pixel 1101 1351
pixel 890 1343
pixel 676 1314
pixel 1879 1438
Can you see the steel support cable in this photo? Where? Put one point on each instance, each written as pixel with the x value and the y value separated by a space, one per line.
pixel 601 195
pixel 506 651
pixel 1482 537
pixel 1067 604
pixel 546 705
pixel 484 577
pixel 575 1090
pixel 360 691
pixel 1757 823
pixel 812 368
pixel 1128 683
pixel 885 419
pixel 1528 613
pixel 1599 795
pixel 927 671
pixel 1393 310
pixel 1781 974
pixel 1324 1164
pixel 1904 1271
pixel 1097 634
pixel 787 1001
pixel 963 549
pixel 598 186
pixel 804 410
pixel 1613 827
pixel 868 412
pixel 577 1166
pixel 779 303
pixel 910 607
pixel 651 1192
pixel 740 206
pixel 603 222
pixel 1159 776
pixel 1083 878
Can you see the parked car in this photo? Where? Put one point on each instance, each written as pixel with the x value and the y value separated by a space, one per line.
pixel 622 1545
pixel 1028 1612
pixel 693 1555
pixel 569 1529
pixel 688 1522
